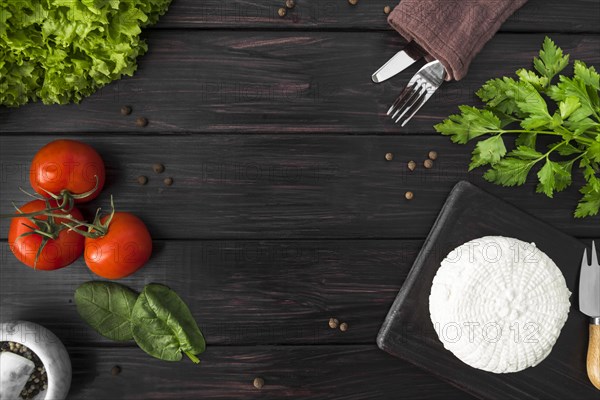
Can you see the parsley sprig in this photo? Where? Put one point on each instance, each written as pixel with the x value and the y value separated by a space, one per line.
pixel 520 107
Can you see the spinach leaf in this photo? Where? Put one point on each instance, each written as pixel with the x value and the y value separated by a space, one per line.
pixel 163 325
pixel 107 307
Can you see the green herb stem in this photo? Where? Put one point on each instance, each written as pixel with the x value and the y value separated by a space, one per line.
pixel 192 357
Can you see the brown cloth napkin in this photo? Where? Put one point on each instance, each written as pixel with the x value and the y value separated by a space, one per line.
pixel 451 31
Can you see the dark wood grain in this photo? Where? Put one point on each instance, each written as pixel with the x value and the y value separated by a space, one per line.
pixel 241 292
pixel 409 333
pixel 289 186
pixel 535 16
pixel 276 82
pixel 306 372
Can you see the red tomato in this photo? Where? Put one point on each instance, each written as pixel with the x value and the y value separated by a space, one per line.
pixel 67 165
pixel 124 249
pixel 57 253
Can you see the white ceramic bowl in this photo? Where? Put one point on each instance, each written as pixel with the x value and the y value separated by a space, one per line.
pixel 49 349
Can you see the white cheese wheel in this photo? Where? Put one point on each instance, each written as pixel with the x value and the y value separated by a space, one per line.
pixel 499 304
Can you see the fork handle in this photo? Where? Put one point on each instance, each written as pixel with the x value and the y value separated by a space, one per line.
pixel 593 356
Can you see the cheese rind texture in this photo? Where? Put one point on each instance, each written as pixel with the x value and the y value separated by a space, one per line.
pixel 499 304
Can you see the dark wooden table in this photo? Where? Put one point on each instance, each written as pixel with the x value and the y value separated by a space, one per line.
pixel 283 212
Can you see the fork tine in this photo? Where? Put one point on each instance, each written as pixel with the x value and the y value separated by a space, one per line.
pixel 406 91
pixel 594 256
pixel 415 100
pixel 584 261
pixel 416 109
pixel 408 100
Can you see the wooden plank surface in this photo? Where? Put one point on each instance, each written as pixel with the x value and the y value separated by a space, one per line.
pixel 535 16
pixel 276 82
pixel 284 186
pixel 306 372
pixel 241 292
pixel 268 236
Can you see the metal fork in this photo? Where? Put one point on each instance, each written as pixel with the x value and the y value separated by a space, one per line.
pixel 419 89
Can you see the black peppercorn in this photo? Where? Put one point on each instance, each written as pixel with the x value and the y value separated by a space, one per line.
pixel 141 122
pixel 258 383
pixel 142 180
pixel 158 168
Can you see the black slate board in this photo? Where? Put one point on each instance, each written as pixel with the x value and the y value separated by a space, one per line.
pixel 408 332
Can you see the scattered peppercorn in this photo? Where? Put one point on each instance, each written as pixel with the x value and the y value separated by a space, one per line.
pixel 168 181
pixel 432 155
pixel 142 180
pixel 281 12
pixel 389 156
pixel 333 323
pixel 343 327
pixel 412 165
pixel 141 122
pixel 116 370
pixel 409 195
pixel 353 2
pixel 290 4
pixel 158 168
pixel 387 9
pixel 428 164
pixel 126 110
pixel 259 383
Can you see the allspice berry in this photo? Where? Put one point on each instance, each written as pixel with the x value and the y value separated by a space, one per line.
pixel 116 370
pixel 259 383
pixel 387 9
pixel 333 323
pixel 409 195
pixel 168 181
pixel 343 327
pixel 428 164
pixel 412 165
pixel 281 12
pixel 389 156
pixel 142 180
pixel 432 155
pixel 290 4
pixel 126 110
pixel 353 2
pixel 141 122
pixel 158 168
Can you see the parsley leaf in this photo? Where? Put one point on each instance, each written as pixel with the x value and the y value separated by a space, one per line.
pixel 590 203
pixel 509 171
pixel 488 151
pixel 551 60
pixel 469 125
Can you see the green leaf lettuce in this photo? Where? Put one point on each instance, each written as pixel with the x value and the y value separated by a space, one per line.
pixel 60 51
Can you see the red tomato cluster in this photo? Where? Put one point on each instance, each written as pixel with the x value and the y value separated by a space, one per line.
pixel 50 233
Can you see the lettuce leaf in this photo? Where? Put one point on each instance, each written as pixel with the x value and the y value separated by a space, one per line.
pixel 60 51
